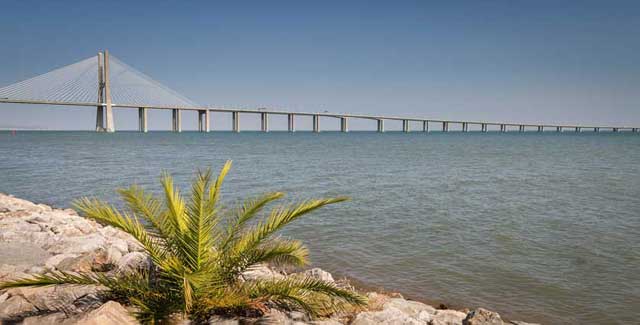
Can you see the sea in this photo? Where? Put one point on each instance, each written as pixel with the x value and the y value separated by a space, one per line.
pixel 540 227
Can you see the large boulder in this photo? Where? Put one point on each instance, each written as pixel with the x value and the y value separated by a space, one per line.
pixel 134 261
pixel 67 298
pixel 482 316
pixel 387 316
pixel 447 317
pixel 319 274
pixel 15 307
pixel 260 272
pixel 111 313
pixel 411 308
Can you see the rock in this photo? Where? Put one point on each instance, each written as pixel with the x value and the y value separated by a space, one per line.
pixel 54 318
pixel 517 322
pixel 53 261
pixel 325 322
pixel 15 307
pixel 78 245
pixel 111 313
pixel 447 317
pixel 4 297
pixel 482 316
pixel 319 274
pixel 388 316
pixel 95 261
pixel 132 262
pixel 113 255
pixel 68 298
pixel 219 320
pixel 411 308
pixel 119 244
pixel 21 253
pixel 261 272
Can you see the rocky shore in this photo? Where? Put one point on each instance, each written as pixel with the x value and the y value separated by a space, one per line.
pixel 35 239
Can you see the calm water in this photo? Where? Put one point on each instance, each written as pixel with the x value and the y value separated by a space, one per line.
pixel 540 227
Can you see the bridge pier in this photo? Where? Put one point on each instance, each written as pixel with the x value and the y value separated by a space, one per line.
pixel 291 122
pixel 540 128
pixel 465 127
pixel 578 130
pixel 380 126
pixel 425 126
pixel 445 126
pixel 316 123
pixel 176 123
pixel 596 130
pixel 558 129
pixel 615 130
pixel 142 119
pixel 235 121
pixel 483 127
pixel 521 128
pixel 503 128
pixel 264 122
pixel 634 130
pixel 203 120
pixel 100 119
pixel 405 126
pixel 344 127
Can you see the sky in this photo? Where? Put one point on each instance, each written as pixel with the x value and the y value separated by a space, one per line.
pixel 567 62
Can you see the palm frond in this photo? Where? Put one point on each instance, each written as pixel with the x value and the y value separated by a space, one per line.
pixel 149 208
pixel 249 209
pixel 279 218
pixel 174 202
pixel 56 278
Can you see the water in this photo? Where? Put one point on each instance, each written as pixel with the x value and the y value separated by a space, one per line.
pixel 540 227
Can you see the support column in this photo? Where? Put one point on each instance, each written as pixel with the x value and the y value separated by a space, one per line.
pixel 465 126
pixel 176 118
pixel 578 130
pixel 344 127
pixel 100 108
pixel 483 127
pixel 615 129
pixel 291 121
pixel 200 121
pixel 425 126
pixel 142 119
pixel 207 121
pixel 634 130
pixel 445 126
pixel 558 129
pixel 264 119
pixel 109 127
pixel 380 126
pixel 503 128
pixel 235 120
pixel 405 126
pixel 316 123
pixel 596 129
pixel 540 129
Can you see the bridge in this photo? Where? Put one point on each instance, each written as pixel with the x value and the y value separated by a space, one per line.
pixel 106 83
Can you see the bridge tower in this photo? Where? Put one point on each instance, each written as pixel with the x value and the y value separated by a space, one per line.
pixel 104 112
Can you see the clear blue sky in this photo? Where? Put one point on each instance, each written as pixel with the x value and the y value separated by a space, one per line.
pixel 529 61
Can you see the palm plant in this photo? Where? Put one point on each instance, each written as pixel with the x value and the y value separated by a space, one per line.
pixel 199 253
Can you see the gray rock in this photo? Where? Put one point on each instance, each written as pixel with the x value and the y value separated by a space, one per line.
pixel 54 318
pixel 53 261
pixel 482 316
pixel 411 308
pixel 15 307
pixel 447 317
pixel 219 320
pixel 261 272
pixel 68 298
pixel 111 313
pixel 387 316
pixel 319 274
pixel 21 253
pixel 132 262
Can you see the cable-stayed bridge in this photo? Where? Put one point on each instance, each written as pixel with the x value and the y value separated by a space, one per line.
pixel 104 82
